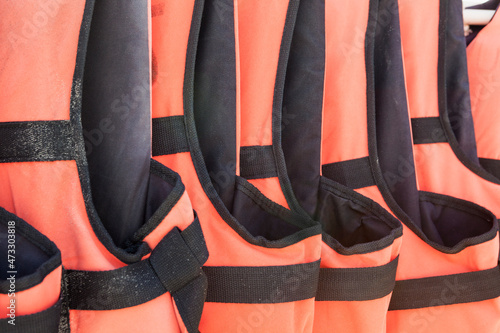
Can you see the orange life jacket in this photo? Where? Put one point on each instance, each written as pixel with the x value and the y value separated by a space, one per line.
pixel 360 240
pixel 366 145
pixel 484 82
pixel 445 153
pixel 264 259
pixel 150 282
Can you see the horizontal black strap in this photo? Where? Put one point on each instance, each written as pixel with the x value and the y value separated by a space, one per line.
pixel 427 130
pixel 46 321
pixel 36 141
pixel 174 266
pixel 356 284
pixel 354 173
pixel 446 290
pixel 257 162
pixel 262 284
pixel 169 136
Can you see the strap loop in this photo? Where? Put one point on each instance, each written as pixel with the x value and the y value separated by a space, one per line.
pixel 174 266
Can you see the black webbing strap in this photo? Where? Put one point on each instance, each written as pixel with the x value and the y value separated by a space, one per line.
pixel 427 130
pixel 445 290
pixel 169 136
pixel 354 173
pixel 174 266
pixel 46 321
pixel 262 284
pixel 36 141
pixel 356 284
pixel 257 162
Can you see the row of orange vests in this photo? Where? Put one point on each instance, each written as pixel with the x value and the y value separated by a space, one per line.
pixel 248 166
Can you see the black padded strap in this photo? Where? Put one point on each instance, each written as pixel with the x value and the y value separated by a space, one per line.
pixel 174 266
pixel 46 321
pixel 36 141
pixel 169 136
pixel 354 173
pixel 262 284
pixel 427 130
pixel 356 284
pixel 257 162
pixel 445 290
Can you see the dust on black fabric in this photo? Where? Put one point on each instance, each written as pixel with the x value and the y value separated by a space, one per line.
pixel 303 103
pixel 116 114
pixel 215 95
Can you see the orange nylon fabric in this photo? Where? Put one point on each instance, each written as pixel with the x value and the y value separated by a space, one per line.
pixel 344 103
pixel 233 250
pixel 260 28
pixel 214 231
pixel 483 55
pixel 41 36
pixel 436 164
pixel 345 137
pixel 354 316
pixel 417 258
pixel 258 33
pixel 424 19
pixel 59 181
pixel 450 318
pixel 49 195
pixel 159 316
pixel 439 170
